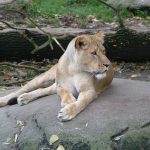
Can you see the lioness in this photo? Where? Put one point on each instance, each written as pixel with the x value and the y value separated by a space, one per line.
pixel 81 74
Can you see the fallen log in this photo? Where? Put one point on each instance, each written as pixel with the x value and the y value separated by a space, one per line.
pixel 131 44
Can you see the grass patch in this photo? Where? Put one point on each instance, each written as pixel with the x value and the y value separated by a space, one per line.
pixel 6 69
pixel 83 8
pixel 49 9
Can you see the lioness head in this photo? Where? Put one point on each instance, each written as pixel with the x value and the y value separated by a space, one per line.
pixel 90 54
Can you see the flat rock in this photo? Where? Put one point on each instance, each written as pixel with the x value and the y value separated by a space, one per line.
pixel 131 3
pixel 121 110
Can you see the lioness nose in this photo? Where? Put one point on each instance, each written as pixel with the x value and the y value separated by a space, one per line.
pixel 106 65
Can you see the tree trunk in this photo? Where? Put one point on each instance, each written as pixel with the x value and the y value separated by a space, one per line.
pixel 129 45
pixel 123 45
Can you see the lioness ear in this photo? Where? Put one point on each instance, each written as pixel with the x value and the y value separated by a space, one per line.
pixel 100 36
pixel 81 43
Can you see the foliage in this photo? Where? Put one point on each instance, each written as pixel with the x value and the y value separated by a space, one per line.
pixel 49 8
pixel 82 8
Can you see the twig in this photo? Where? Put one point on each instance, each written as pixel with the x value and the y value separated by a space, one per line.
pixel 117 12
pixel 23 32
pixel 30 63
pixel 40 47
pixel 121 132
pixel 15 82
pixel 50 37
pixel 145 125
pixel 10 26
pixel 22 66
pixel 58 44
pixel 48 34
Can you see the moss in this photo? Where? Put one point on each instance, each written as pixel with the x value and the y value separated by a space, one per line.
pixel 77 142
pixel 74 142
pixel 30 146
pixel 134 140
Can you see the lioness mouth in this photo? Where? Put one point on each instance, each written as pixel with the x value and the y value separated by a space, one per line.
pixel 100 76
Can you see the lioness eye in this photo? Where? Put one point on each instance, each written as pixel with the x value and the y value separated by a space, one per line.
pixel 94 53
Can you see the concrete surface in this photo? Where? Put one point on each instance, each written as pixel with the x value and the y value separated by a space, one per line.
pixel 121 110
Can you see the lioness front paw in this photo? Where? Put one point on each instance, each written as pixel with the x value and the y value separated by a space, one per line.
pixel 68 112
pixel 24 99
pixel 66 102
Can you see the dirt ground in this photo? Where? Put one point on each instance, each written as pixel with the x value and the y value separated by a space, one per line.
pixel 13 73
pixel 74 21
pixel 132 71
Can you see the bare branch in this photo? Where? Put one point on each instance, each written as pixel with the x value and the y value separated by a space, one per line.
pixel 117 12
pixel 29 39
pixel 36 47
pixel 10 26
pixel 23 32
pixel 50 37
pixel 22 66
pixel 15 82
pixel 41 47
pixel 58 44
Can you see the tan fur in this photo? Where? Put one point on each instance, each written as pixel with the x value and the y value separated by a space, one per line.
pixel 81 74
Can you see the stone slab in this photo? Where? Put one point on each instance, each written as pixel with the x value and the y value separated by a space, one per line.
pixel 124 106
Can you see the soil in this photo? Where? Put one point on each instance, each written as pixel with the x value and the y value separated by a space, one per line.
pixel 74 21
pixel 132 71
pixel 16 76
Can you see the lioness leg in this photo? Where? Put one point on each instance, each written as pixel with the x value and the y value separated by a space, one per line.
pixel 43 80
pixel 72 109
pixel 66 96
pixel 28 97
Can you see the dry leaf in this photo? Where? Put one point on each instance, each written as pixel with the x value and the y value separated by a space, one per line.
pixel 60 147
pixel 2 90
pixel 5 143
pixel 136 17
pixel 19 123
pixel 53 139
pixel 135 75
pixel 118 138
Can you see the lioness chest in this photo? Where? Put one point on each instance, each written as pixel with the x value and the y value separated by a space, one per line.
pixel 75 83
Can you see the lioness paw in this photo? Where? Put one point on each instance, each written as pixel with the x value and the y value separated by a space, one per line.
pixel 68 112
pixel 24 99
pixel 66 102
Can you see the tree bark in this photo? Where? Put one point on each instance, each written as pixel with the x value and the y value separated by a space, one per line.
pixel 129 45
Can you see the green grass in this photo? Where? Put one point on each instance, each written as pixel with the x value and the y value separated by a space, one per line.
pixel 83 8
